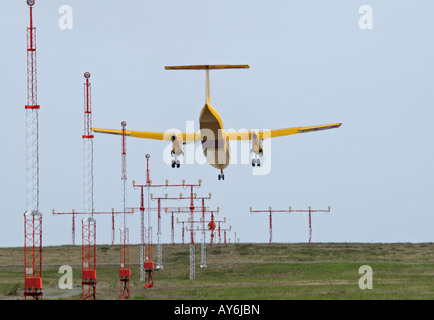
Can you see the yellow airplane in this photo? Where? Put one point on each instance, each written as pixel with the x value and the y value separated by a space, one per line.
pixel 212 134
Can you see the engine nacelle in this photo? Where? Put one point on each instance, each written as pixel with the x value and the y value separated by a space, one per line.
pixel 257 148
pixel 177 149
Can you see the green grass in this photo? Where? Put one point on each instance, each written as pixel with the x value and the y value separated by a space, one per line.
pixel 324 271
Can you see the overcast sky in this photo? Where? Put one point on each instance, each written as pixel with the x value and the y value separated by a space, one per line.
pixel 311 62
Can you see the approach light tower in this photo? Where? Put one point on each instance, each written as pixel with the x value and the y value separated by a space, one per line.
pixel 271 211
pixel 32 216
pixel 88 250
pixel 75 213
pixel 146 251
pixel 189 209
pixel 124 270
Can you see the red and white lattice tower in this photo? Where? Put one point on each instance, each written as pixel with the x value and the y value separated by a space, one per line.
pixel 88 223
pixel 148 249
pixel 124 271
pixel 149 259
pixel 32 216
pixel 88 258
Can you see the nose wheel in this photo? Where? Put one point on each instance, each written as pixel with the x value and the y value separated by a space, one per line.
pixel 221 176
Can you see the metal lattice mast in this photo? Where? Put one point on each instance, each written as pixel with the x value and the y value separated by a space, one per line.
pixel 191 221
pixel 148 265
pixel 146 254
pixel 32 125
pixel 87 149
pixel 159 209
pixel 204 229
pixel 124 271
pixel 192 244
pixel 88 223
pixel 149 259
pixel 142 235
pixel 172 232
pixel 211 227
pixel 159 245
pixel 32 216
pixel 203 244
pixel 149 250
pixel 88 258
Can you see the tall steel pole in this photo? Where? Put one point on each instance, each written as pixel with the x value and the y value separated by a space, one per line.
pixel 32 216
pixel 89 222
pixel 124 271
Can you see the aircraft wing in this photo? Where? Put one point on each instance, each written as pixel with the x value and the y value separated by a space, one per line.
pixel 247 135
pixel 243 135
pixel 165 136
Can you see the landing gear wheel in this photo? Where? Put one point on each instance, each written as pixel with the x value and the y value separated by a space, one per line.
pixel 176 164
pixel 256 162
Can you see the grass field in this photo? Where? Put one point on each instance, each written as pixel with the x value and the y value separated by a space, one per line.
pixel 242 271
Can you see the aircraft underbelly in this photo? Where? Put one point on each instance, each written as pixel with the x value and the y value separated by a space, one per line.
pixel 214 146
pixel 218 158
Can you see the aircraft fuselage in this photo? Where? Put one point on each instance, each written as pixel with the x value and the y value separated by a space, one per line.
pixel 214 144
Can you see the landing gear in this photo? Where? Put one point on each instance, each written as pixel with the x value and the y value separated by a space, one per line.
pixel 256 162
pixel 221 176
pixel 176 164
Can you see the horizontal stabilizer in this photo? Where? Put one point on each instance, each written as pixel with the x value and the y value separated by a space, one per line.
pixel 208 67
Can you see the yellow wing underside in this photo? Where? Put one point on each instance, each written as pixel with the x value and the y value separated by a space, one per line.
pixel 244 135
